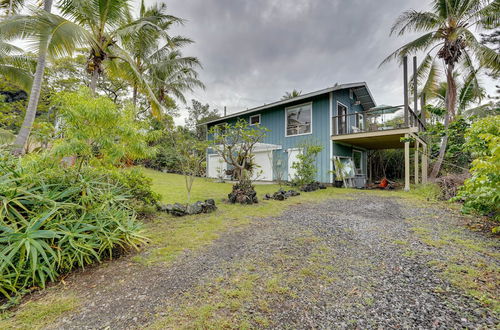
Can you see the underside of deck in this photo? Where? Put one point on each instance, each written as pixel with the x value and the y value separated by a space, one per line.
pixel 386 139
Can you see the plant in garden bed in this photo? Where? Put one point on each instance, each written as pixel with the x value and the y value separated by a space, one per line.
pixel 305 167
pixel 340 172
pixel 52 223
pixel 235 145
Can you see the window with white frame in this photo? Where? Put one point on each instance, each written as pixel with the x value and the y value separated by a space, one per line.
pixel 299 119
pixel 255 120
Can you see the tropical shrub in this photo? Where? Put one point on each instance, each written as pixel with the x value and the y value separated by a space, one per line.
pixel 53 220
pixel 305 167
pixel 138 186
pixel 481 192
pixel 95 131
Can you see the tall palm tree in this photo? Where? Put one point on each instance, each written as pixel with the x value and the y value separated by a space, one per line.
pixel 158 59
pixel 447 36
pixel 98 25
pixel 291 95
pixel 29 118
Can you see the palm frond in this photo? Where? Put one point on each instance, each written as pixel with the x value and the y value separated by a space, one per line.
pixel 415 21
pixel 422 43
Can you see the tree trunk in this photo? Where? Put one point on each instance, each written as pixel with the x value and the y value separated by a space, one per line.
pixel 134 95
pixel 93 81
pixel 450 100
pixel 29 118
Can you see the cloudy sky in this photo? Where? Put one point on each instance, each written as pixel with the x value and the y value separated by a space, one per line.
pixel 253 51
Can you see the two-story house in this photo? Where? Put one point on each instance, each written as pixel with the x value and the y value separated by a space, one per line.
pixel 343 119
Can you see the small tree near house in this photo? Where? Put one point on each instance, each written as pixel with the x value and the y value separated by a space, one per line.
pixel 192 155
pixel 235 145
pixel 305 167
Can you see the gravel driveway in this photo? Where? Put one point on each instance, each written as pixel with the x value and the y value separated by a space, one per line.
pixel 359 262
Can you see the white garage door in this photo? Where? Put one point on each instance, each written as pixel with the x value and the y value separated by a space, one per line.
pixel 216 166
pixel 292 157
pixel 265 160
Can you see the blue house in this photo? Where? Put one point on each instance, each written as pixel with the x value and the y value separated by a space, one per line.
pixel 343 119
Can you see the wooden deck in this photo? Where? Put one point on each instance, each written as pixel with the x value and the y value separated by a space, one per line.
pixel 384 139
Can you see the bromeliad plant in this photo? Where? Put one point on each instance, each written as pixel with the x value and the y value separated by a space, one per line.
pixel 51 223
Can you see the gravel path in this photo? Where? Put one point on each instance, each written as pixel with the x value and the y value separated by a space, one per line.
pixel 345 263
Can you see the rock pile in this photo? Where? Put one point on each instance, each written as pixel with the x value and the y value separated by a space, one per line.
pixel 312 186
pixel 180 210
pixel 243 193
pixel 281 195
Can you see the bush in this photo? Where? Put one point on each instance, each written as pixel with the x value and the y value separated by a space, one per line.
pixel 305 168
pixel 481 193
pixel 138 186
pixel 53 220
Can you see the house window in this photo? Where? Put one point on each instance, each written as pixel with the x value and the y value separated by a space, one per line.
pixel 341 118
pixel 351 94
pixel 299 120
pixel 255 120
pixel 357 157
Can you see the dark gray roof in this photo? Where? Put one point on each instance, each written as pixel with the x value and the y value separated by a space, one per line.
pixel 360 89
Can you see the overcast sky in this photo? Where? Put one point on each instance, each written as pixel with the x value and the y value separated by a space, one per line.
pixel 253 51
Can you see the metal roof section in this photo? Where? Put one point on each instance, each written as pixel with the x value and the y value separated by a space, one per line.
pixel 360 89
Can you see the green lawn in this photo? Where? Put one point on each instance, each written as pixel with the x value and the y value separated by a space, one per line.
pixel 171 235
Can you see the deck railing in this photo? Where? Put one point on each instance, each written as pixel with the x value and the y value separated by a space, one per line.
pixel 373 121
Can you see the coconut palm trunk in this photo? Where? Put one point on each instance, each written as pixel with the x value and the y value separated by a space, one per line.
pixel 93 81
pixel 29 118
pixel 450 101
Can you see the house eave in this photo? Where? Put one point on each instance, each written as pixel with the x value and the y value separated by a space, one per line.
pixel 357 87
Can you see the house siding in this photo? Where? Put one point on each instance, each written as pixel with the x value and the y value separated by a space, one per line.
pixel 274 120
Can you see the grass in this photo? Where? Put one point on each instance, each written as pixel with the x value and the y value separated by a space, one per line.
pixel 171 235
pixel 223 302
pixel 466 263
pixel 257 284
pixel 38 314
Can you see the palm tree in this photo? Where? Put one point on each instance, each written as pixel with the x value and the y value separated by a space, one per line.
pixel 12 6
pixel 29 118
pixel 158 59
pixel 98 25
pixel 291 95
pixel 447 35
pixel 15 65
pixel 469 93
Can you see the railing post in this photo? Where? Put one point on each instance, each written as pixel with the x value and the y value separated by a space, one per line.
pixel 415 89
pixel 407 163
pixel 405 88
pixel 422 109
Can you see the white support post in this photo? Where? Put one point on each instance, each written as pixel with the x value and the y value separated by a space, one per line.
pixel 425 164
pixel 416 161
pixel 407 163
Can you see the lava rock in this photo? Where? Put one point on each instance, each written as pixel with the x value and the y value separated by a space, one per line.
pixel 178 210
pixel 209 206
pixel 195 208
pixel 281 195
pixel 312 186
pixel 243 193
